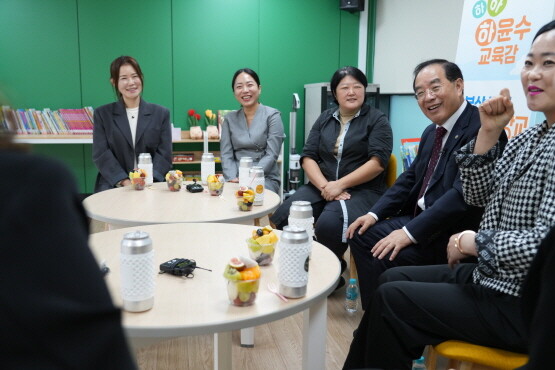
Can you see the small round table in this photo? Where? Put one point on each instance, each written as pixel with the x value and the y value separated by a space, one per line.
pixel 125 206
pixel 200 305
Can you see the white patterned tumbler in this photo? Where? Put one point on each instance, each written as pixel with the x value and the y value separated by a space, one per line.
pixel 300 215
pixel 137 272
pixel 294 255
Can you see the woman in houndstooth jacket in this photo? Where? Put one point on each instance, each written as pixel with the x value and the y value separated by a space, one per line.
pixel 477 303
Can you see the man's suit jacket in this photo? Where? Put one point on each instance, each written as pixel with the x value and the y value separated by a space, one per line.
pixel 113 151
pixel 446 211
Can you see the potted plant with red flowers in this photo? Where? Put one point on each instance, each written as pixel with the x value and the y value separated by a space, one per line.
pixel 194 128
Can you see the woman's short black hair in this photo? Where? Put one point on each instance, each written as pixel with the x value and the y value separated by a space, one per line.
pixel 341 73
pixel 546 27
pixel 248 71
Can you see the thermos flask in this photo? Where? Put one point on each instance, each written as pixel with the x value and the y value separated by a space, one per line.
pixel 145 162
pixel 300 215
pixel 137 271
pixel 245 164
pixel 256 175
pixel 207 166
pixel 294 255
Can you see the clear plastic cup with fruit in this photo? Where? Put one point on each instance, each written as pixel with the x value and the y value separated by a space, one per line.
pixel 243 280
pixel 262 245
pixel 138 179
pixel 215 184
pixel 174 179
pixel 245 198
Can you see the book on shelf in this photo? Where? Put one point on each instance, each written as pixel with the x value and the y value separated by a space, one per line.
pixel 47 122
pixel 77 121
pixel 9 119
pixel 409 150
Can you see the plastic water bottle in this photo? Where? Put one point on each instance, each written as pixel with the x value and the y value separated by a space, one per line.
pixel 419 364
pixel 351 296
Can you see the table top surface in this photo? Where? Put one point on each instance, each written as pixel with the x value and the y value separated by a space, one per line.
pixel 157 205
pixel 200 305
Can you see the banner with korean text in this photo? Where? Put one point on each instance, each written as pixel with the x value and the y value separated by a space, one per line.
pixel 494 39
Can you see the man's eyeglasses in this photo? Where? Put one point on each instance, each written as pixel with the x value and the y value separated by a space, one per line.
pixel 434 90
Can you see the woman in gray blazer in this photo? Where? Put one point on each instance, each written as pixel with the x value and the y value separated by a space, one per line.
pixel 254 131
pixel 128 127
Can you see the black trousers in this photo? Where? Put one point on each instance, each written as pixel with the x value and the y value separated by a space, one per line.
pixel 419 305
pixel 538 305
pixel 370 268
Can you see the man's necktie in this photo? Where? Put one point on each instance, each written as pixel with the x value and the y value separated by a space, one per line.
pixel 436 150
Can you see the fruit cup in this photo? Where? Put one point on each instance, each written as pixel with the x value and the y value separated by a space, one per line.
pixel 242 275
pixel 242 292
pixel 138 183
pixel 174 179
pixel 245 198
pixel 263 253
pixel 215 184
pixel 138 178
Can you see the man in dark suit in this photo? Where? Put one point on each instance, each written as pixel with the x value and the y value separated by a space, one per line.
pixel 412 221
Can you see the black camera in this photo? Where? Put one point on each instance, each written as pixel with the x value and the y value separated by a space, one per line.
pixel 194 187
pixel 180 267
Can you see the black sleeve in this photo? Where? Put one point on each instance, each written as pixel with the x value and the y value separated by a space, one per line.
pixel 311 147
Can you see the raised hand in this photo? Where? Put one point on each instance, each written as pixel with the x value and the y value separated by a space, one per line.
pixel 495 114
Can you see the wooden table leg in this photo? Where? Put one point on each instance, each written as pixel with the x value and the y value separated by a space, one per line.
pixel 222 351
pixel 314 335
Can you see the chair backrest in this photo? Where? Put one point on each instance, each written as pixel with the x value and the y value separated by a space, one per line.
pixel 391 172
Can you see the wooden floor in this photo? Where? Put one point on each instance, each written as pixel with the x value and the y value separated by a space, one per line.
pixel 278 345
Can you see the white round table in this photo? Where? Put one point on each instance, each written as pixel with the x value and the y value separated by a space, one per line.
pixel 125 206
pixel 200 305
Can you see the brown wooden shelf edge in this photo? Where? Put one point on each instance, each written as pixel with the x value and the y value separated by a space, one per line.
pixel 194 141
pixel 191 162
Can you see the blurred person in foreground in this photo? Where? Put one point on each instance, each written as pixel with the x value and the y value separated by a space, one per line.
pixel 479 303
pixel 55 309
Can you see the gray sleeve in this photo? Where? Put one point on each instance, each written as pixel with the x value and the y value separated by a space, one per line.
pixel 229 164
pixel 273 141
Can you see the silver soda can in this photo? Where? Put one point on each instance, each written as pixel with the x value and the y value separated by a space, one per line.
pixel 256 180
pixel 137 271
pixel 294 255
pixel 300 215
pixel 245 164
pixel 207 166
pixel 145 162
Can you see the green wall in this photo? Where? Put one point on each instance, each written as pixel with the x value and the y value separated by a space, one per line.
pixel 56 54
